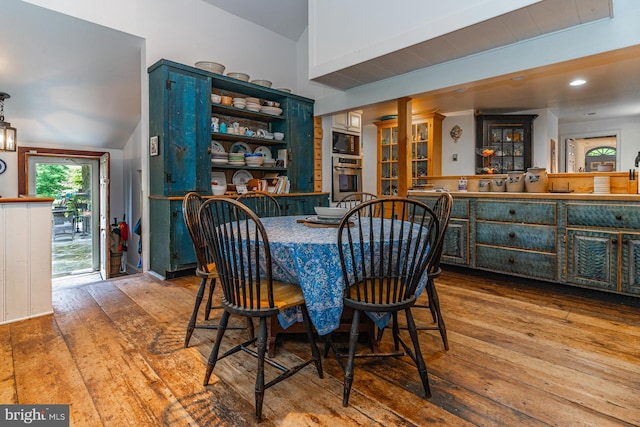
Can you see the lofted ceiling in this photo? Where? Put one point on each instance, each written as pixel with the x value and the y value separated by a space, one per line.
pixel 532 21
pixel 85 90
pixel 71 82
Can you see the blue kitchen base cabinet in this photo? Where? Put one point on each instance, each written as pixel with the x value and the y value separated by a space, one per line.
pixel 171 251
pixel 587 241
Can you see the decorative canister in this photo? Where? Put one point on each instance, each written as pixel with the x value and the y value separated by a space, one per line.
pixel 515 182
pixel 536 180
pixel 483 184
pixel 462 184
pixel 499 183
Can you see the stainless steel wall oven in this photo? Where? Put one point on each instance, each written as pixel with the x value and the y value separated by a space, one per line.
pixel 347 176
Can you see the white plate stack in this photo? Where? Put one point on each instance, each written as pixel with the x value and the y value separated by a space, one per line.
pixel 601 185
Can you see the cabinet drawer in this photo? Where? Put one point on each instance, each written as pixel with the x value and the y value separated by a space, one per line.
pixel 598 215
pixel 460 207
pixel 534 237
pixel 509 211
pixel 530 264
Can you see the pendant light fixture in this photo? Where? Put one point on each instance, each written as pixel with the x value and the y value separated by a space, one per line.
pixel 7 133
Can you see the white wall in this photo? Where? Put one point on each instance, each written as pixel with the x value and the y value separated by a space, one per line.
pixel 628 128
pixel 464 148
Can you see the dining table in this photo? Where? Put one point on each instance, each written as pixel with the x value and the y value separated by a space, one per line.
pixel 306 254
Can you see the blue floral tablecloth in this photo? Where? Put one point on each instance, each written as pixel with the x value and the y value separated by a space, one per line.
pixel 309 257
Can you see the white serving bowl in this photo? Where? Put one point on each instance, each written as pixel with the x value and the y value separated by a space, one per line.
pixel 271 110
pixel 265 83
pixel 218 190
pixel 279 136
pixel 331 212
pixel 252 101
pixel 216 98
pixel 214 67
pixel 239 76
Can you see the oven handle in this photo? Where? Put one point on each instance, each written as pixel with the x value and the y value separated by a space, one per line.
pixel 339 169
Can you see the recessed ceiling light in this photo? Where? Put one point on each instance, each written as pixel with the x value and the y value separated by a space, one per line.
pixel 460 90
pixel 516 78
pixel 590 114
pixel 577 82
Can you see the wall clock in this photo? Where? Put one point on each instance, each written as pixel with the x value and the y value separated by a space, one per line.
pixel 3 166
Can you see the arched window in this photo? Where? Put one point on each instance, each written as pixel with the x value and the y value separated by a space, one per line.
pixel 600 156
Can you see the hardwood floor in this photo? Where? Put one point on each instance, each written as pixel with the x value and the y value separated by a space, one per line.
pixel 519 355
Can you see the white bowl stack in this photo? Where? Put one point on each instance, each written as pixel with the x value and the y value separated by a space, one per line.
pixel 236 159
pixel 601 184
pixel 253 159
pixel 239 103
pixel 253 105
pixel 219 158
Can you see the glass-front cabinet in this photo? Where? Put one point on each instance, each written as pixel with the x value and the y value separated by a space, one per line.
pixel 503 143
pixel 426 152
pixel 388 159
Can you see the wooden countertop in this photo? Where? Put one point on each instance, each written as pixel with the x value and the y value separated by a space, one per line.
pixel 27 199
pixel 235 195
pixel 537 196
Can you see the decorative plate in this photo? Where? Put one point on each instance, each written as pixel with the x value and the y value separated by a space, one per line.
pixel 3 166
pixel 266 153
pixel 241 177
pixel 240 147
pixel 216 147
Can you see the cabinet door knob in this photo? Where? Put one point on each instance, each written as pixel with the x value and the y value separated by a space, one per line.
pixel 512 234
pixel 512 211
pixel 511 261
pixel 614 241
pixel 625 241
pixel 619 217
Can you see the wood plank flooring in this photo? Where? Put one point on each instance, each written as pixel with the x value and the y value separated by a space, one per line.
pixel 521 354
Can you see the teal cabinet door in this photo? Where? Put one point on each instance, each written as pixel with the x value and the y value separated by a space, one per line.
pixel 631 263
pixel 171 248
pixel 301 145
pixel 180 112
pixel 455 248
pixel 302 205
pixel 592 259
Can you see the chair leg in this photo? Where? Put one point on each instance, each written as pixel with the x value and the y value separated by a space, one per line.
pixel 262 349
pixel 396 331
pixel 192 322
pixel 207 311
pixel 252 333
pixel 434 305
pixel 213 356
pixel 430 292
pixel 312 342
pixel 422 367
pixel 348 372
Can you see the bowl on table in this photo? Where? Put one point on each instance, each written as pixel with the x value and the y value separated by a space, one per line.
pixel 330 212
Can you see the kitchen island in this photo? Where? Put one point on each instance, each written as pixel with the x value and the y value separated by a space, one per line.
pixel 578 239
